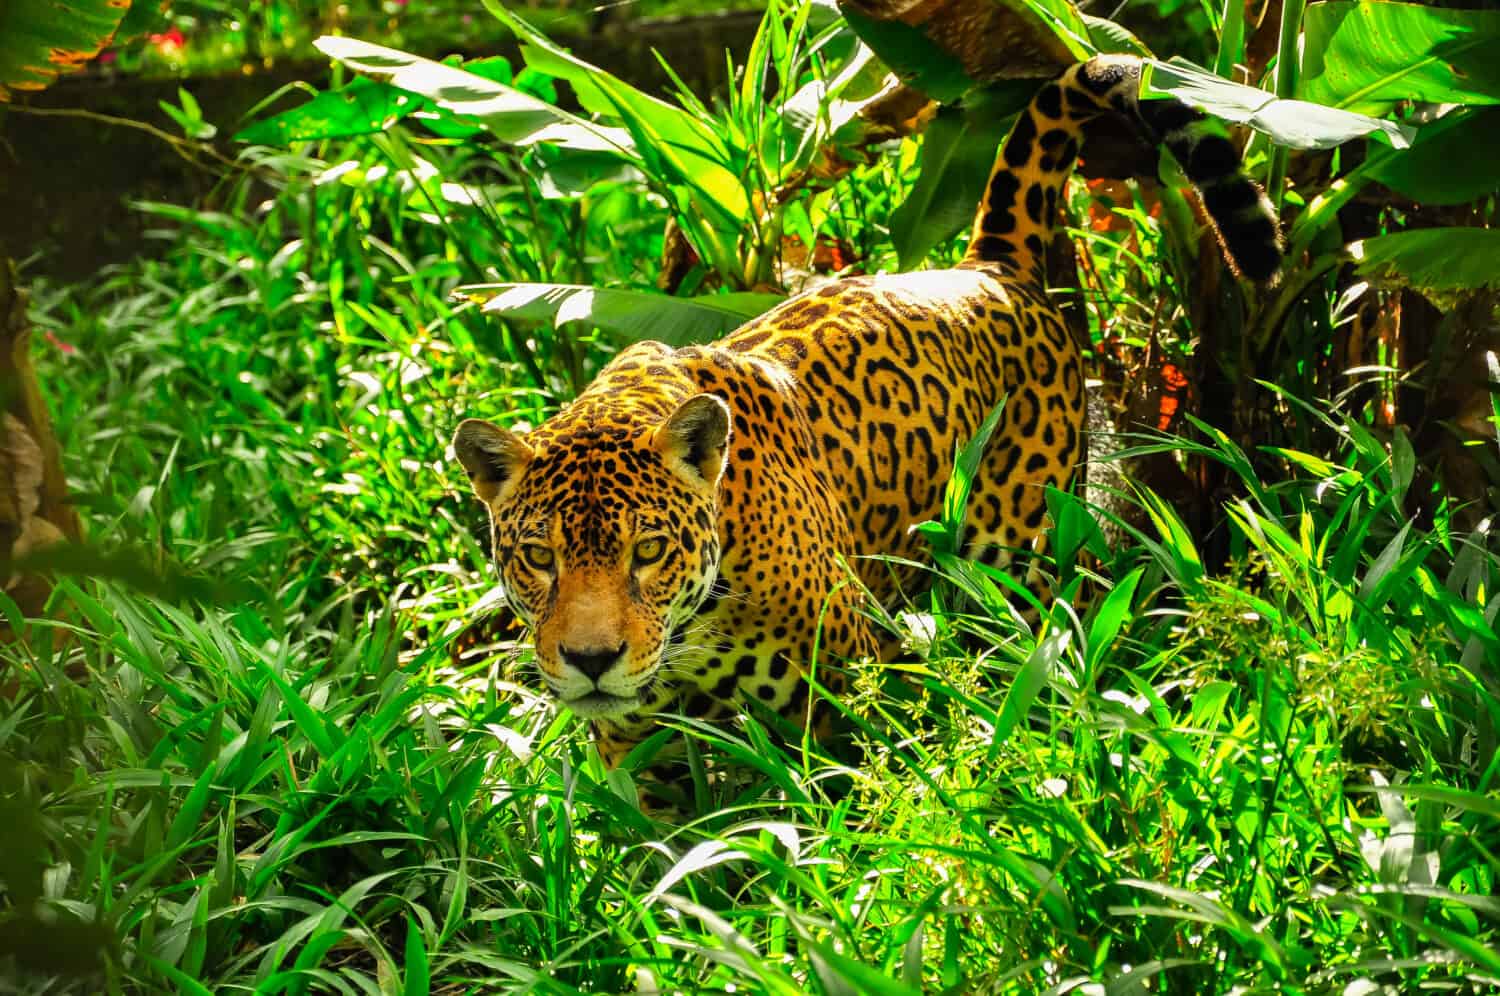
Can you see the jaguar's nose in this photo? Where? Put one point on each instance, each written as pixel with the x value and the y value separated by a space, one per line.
pixel 593 663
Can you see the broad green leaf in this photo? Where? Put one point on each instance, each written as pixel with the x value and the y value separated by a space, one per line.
pixel 565 174
pixel 197 946
pixel 1403 465
pixel 958 153
pixel 1294 123
pixel 1137 978
pixel 601 92
pixel 143 18
pixel 1113 39
pixel 947 51
pixel 1433 259
pixel 1370 54
pixel 1477 951
pixel 676 147
pixel 630 314
pixel 1452 161
pixel 188 116
pixel 915 59
pixel 41 40
pixel 1177 550
pixel 318 731
pixel 364 107
pixel 507 113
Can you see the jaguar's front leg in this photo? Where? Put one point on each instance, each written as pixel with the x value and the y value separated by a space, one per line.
pixel 664 786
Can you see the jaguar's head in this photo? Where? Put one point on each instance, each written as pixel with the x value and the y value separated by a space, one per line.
pixel 605 528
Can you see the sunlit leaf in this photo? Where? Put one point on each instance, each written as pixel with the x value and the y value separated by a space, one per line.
pixel 915 59
pixel 707 854
pixel 675 144
pixel 506 112
pixel 1113 612
pixel 363 107
pixel 1295 123
pixel 1371 53
pixel 1207 909
pixel 1474 802
pixel 1028 684
pixel 564 174
pixel 630 314
pixel 826 108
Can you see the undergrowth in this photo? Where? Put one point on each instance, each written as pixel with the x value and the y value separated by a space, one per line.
pixel 1278 775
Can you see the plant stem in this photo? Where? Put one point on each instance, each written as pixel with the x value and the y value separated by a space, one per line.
pixel 1231 38
pixel 188 149
pixel 1288 62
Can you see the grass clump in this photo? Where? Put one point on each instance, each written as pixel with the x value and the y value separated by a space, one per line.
pixel 1276 776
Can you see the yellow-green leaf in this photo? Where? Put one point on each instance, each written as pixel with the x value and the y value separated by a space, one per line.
pixel 42 39
pixel 1367 55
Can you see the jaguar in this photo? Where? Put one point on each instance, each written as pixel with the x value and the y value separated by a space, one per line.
pixel 696 528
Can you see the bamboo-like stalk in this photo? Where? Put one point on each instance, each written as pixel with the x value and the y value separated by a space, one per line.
pixel 1288 64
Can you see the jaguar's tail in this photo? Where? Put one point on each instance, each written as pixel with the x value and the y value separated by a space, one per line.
pixel 1014 222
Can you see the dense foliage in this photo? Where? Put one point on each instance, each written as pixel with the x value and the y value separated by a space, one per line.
pixel 1252 748
pixel 206 37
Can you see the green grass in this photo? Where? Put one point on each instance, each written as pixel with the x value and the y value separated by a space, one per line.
pixel 1185 787
pixel 1278 775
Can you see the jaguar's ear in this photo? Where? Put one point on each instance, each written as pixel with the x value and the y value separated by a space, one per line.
pixel 493 457
pixel 695 440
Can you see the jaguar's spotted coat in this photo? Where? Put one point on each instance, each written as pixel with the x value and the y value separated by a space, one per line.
pixel 677 535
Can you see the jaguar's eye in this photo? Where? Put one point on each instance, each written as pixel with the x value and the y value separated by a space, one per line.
pixel 649 551
pixel 538 557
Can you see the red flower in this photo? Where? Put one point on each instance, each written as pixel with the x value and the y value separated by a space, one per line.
pixel 169 42
pixel 67 349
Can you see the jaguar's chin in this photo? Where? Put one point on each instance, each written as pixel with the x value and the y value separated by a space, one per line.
pixel 596 705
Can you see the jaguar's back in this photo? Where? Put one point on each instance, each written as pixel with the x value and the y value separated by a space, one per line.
pixel 897 372
pixel 676 536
